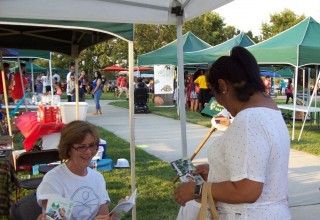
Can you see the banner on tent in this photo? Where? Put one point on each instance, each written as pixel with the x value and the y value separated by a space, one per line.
pixel 163 84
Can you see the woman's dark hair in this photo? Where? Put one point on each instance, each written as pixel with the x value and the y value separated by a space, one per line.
pixel 98 75
pixel 196 74
pixel 241 70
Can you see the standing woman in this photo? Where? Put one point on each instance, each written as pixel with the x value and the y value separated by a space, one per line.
pixel 97 91
pixel 248 164
pixel 289 90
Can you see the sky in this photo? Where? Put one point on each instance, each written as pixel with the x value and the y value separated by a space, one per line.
pixel 248 15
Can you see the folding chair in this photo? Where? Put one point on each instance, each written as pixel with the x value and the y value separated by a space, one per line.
pixel 25 209
pixel 30 159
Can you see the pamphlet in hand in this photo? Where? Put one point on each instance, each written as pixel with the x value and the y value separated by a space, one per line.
pixel 58 208
pixel 184 169
pixel 123 208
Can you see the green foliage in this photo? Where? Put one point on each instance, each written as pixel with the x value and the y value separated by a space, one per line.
pixel 280 22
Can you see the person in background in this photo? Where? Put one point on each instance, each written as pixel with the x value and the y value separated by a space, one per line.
pixel 97 91
pixel 73 179
pixel 151 89
pixel 283 86
pixel 39 86
pixel 71 87
pixel 248 164
pixel 18 86
pixel 58 89
pixel 267 84
pixel 289 91
pixel 204 95
pixel 56 76
pixel 72 70
pixel 193 92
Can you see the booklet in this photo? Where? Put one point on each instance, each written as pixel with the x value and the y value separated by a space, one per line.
pixel 58 208
pixel 184 168
pixel 123 208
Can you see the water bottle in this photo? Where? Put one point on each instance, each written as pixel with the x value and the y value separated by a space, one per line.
pixel 95 165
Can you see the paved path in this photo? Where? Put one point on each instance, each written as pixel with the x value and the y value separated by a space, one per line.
pixel 160 136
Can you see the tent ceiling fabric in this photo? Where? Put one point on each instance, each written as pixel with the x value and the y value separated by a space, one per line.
pixel 123 11
pixel 27 54
pixel 58 36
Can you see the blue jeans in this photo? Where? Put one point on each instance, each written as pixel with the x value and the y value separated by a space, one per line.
pixel 97 95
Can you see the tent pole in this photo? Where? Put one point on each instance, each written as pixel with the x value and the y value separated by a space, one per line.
pixel 32 82
pixel 305 117
pixel 50 69
pixel 294 100
pixel 74 55
pixel 5 96
pixel 132 124
pixel 181 88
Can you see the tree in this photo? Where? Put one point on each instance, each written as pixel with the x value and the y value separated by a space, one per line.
pixel 280 22
pixel 210 27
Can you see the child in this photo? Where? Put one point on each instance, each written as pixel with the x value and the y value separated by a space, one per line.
pixel 58 89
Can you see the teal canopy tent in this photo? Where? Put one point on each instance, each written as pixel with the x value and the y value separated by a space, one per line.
pixel 299 46
pixel 35 68
pixel 286 72
pixel 211 54
pixel 168 53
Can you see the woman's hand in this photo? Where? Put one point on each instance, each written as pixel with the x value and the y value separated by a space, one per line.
pixel 184 193
pixel 203 170
pixel 105 217
pixel 42 216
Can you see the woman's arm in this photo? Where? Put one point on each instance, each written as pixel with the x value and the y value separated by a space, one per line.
pixel 243 191
pixel 97 86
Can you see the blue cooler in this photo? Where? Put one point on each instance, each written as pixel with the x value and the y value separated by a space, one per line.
pixel 103 144
pixel 104 164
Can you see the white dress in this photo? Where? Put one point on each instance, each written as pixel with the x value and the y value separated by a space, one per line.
pixel 256 146
pixel 87 192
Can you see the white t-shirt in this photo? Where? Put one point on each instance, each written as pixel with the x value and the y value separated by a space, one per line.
pixel 68 78
pixel 256 146
pixel 87 192
pixel 45 80
pixel 57 76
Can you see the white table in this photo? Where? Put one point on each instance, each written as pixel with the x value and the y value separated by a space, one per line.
pixel 300 108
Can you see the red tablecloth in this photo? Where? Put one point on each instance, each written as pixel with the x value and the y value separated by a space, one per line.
pixel 32 130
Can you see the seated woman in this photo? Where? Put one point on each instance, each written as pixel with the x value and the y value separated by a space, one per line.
pixel 73 179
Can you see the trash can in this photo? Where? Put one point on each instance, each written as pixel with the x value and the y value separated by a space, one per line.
pixel 68 111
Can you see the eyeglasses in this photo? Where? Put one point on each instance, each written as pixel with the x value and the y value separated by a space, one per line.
pixel 85 147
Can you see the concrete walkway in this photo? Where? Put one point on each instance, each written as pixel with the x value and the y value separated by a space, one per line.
pixel 161 137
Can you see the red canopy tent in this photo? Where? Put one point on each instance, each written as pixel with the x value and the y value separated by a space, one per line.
pixel 142 68
pixel 114 69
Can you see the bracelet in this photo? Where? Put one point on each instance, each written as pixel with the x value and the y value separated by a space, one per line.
pixel 198 191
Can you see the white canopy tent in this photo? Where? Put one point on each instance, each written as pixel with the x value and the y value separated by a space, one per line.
pixel 167 12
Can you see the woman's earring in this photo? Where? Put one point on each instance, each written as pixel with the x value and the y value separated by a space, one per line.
pixel 224 92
